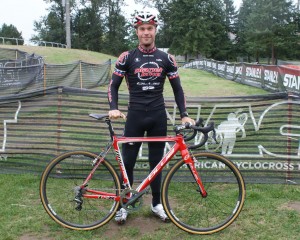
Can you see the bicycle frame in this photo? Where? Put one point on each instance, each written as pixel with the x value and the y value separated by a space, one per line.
pixel 179 146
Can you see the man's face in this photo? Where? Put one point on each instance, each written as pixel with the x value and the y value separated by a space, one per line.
pixel 146 34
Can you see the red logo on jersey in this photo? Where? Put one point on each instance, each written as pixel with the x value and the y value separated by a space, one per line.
pixel 148 72
pixel 122 58
pixel 172 60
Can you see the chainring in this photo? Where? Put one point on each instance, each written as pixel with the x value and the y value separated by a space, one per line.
pixel 136 205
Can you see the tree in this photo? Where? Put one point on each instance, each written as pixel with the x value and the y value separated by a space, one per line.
pixel 116 35
pixel 10 31
pixel 230 16
pixel 51 28
pixel 96 25
pixel 241 27
pixel 268 27
pixel 88 27
pixel 201 31
pixel 263 28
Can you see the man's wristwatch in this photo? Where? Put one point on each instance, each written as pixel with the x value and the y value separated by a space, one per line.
pixel 184 114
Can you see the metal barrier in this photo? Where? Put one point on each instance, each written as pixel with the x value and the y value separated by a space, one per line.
pixel 20 41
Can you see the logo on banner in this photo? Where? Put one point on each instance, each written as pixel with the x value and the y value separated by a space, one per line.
pixel 291 81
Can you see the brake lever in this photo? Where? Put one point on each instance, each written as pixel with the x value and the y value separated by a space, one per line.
pixel 199 122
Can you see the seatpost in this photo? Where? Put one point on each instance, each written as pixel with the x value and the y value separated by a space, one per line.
pixel 110 128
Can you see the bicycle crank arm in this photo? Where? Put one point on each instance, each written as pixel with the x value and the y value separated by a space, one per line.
pixel 136 197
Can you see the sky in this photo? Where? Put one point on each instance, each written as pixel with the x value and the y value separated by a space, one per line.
pixel 23 13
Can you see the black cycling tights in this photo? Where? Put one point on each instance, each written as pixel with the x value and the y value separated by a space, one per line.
pixel 154 123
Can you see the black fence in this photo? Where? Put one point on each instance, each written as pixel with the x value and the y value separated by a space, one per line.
pixel 21 73
pixel 260 134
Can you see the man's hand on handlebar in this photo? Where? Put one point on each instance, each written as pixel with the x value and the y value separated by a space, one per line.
pixel 187 120
pixel 114 114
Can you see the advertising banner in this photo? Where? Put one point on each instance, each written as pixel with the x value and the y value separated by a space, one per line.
pixel 269 77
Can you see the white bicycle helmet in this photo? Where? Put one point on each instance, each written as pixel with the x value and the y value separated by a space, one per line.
pixel 145 17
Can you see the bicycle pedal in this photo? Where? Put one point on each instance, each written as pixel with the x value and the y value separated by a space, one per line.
pixel 121 222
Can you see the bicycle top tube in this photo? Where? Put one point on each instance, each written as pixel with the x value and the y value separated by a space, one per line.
pixel 198 127
pixel 148 139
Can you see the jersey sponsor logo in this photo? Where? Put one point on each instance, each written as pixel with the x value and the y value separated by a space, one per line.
pixel 122 58
pixel 137 60
pixel 148 71
pixel 172 60
pixel 173 75
pixel 145 88
pixel 119 72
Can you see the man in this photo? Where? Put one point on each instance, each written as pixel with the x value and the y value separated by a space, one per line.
pixel 145 69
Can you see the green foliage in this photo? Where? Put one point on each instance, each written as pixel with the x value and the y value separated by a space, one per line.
pixel 195 28
pixel 51 28
pixel 268 28
pixel 96 25
pixel 230 16
pixel 88 28
pixel 10 31
pixel 114 42
pixel 203 30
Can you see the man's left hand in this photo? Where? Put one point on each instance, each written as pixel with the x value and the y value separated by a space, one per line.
pixel 187 120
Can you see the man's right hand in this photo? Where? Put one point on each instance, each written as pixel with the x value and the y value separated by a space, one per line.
pixel 113 114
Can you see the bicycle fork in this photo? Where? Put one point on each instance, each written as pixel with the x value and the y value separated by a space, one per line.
pixel 190 161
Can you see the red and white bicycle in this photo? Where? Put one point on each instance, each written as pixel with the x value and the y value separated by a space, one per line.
pixel 202 193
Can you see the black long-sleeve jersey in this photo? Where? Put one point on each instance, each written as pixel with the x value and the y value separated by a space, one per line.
pixel 145 73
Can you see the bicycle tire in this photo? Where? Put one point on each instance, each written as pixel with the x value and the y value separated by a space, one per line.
pixel 185 206
pixel 57 185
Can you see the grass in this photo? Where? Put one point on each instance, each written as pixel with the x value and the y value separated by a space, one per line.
pixel 54 55
pixel 267 214
pixel 198 83
pixel 270 211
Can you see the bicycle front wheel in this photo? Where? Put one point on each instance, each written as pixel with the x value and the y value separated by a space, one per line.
pixel 58 185
pixel 195 214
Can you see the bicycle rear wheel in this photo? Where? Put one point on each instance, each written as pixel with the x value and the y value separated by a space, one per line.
pixel 186 207
pixel 58 190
